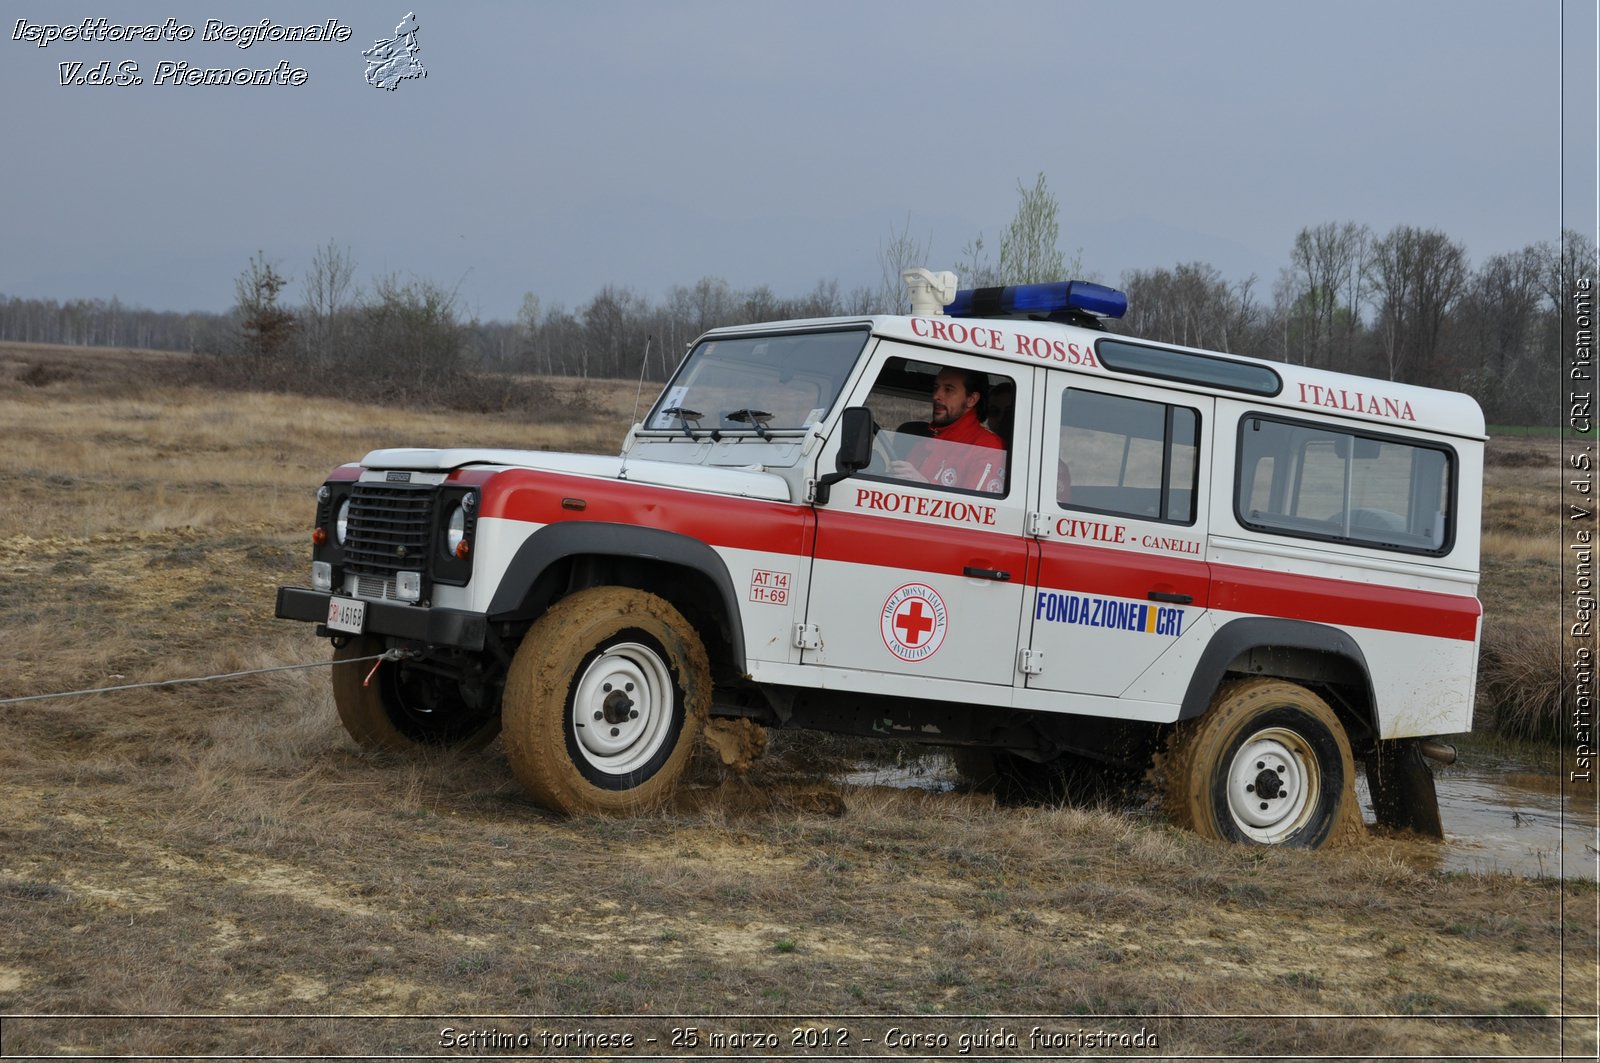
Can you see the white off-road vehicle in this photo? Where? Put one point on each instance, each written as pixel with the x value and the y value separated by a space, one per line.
pixel 1254 574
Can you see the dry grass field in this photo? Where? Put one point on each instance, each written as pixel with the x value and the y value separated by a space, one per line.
pixel 221 859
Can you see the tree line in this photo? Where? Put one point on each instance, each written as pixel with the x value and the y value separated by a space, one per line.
pixel 1405 305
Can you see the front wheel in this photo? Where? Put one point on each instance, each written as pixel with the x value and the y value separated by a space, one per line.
pixel 604 701
pixel 1268 764
pixel 403 707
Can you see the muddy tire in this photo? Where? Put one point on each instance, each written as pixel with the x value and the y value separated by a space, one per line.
pixel 1268 764
pixel 604 702
pixel 976 766
pixel 405 709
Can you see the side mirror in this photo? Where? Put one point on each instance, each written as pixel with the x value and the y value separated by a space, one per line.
pixel 855 449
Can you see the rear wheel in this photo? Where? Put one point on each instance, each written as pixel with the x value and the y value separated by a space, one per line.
pixel 604 702
pixel 406 707
pixel 1268 764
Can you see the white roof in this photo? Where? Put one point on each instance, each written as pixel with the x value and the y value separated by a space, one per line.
pixel 1378 402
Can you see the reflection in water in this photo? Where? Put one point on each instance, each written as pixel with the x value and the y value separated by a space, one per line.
pixel 1498 815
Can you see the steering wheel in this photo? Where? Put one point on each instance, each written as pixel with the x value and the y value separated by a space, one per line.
pixel 883 455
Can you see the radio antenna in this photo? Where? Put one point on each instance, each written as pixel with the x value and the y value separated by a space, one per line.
pixel 643 365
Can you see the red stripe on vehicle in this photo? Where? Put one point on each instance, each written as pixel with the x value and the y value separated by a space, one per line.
pixel 1344 603
pixel 1074 568
pixel 917 548
pixel 940 548
pixel 734 523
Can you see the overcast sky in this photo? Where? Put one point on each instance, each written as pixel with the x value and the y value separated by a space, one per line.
pixel 557 147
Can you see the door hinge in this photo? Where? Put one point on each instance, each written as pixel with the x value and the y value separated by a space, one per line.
pixel 1030 662
pixel 807 636
pixel 1038 525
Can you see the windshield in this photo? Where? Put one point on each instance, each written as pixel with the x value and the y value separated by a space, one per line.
pixel 758 384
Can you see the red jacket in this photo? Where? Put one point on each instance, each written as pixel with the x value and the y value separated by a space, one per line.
pixel 964 454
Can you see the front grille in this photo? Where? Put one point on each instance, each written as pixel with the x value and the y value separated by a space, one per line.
pixel 388 529
pixel 371 587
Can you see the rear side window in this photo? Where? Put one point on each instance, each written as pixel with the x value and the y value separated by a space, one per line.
pixel 1129 457
pixel 1317 482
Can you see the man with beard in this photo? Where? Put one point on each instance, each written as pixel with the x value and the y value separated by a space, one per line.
pixel 959 451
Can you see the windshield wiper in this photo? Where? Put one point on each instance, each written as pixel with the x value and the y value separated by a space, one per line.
pixel 758 418
pixel 684 416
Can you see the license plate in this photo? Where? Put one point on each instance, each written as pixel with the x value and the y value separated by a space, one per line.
pixel 347 614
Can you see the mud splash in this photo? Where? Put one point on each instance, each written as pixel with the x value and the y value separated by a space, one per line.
pixel 739 743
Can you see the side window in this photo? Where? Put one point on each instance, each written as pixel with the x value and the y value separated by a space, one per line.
pixel 1318 482
pixel 1129 457
pixel 942 426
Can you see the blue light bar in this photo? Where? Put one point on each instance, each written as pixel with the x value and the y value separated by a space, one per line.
pixel 1054 297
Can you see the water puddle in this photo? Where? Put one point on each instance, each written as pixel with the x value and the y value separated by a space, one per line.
pixel 1500 814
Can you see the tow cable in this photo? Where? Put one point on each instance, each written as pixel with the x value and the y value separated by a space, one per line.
pixel 379 658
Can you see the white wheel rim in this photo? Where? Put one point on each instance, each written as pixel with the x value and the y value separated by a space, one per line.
pixel 1273 785
pixel 622 708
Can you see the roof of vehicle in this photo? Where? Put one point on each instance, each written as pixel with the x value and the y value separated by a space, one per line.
pixel 1052 344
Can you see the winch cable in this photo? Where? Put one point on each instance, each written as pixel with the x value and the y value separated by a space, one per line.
pixel 387 655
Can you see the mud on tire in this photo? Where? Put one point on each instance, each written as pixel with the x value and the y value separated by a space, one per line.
pixel 604 702
pixel 1268 764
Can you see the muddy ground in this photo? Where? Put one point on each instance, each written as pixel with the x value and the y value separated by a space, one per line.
pixel 222 855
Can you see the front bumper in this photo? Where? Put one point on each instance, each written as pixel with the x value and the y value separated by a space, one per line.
pixel 425 624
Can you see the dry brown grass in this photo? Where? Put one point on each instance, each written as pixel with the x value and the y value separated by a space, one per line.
pixel 226 849
pixel 1524 665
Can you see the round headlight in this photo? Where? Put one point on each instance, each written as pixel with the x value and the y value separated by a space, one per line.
pixel 455 532
pixel 342 526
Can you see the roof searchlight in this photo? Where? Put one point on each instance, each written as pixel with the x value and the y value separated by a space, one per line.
pixel 929 291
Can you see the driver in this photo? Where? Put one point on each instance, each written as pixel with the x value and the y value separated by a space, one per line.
pixel 959 451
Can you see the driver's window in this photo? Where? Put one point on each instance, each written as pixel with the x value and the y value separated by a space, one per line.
pixel 941 426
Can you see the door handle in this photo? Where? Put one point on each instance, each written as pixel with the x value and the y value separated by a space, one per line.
pixel 996 574
pixel 1169 596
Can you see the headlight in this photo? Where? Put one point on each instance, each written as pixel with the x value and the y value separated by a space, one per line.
pixel 455 534
pixel 342 525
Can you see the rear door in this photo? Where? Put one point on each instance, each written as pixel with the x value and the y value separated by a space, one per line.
pixel 1120 521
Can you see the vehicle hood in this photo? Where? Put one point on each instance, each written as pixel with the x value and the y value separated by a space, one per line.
pixel 749 483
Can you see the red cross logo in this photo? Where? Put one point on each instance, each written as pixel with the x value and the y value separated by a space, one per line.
pixel 911 624
pixel 914 621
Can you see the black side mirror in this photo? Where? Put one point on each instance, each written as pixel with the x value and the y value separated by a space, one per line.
pixel 855 449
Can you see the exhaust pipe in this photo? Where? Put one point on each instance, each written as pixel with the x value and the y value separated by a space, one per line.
pixel 1443 752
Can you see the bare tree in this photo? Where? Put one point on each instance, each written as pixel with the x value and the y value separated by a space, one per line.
pixel 529 335
pixel 330 293
pixel 613 334
pixel 707 304
pixel 410 339
pixel 1562 267
pixel 901 252
pixel 1416 276
pixel 1499 334
pixel 1192 304
pixel 1325 281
